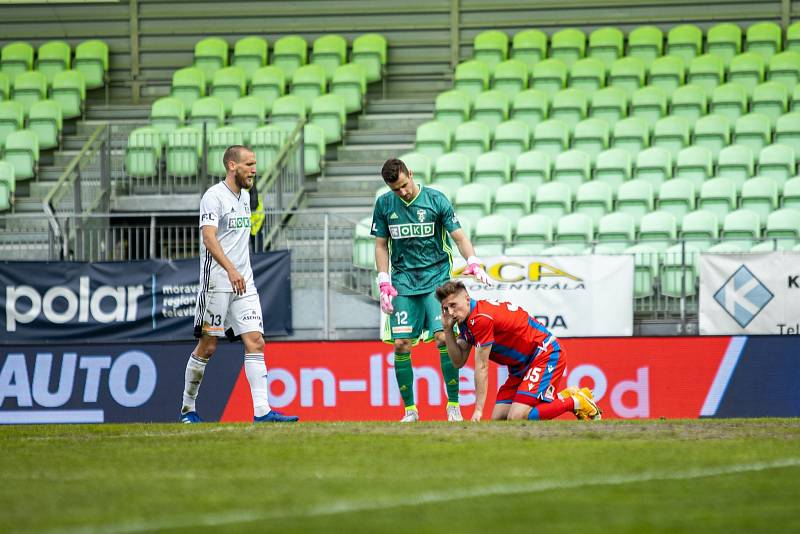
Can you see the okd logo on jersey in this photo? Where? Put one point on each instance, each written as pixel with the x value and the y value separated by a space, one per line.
pixel 406 231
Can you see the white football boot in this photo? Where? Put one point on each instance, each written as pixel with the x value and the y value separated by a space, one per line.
pixel 454 413
pixel 411 416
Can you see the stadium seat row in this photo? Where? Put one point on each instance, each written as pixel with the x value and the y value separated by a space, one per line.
pixel 53 57
pixel 44 117
pixel 68 89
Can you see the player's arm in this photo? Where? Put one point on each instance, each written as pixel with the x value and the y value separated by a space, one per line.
pixel 382 254
pixel 467 251
pixel 457 348
pixel 463 243
pixel 481 379
pixel 211 242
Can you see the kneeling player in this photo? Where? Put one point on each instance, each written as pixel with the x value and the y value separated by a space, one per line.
pixel 506 334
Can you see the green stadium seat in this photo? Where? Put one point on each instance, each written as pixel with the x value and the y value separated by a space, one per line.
pixel 308 83
pixel 350 82
pixel 549 76
pixel 6 196
pixel 778 162
pixel 649 103
pixel 668 73
pixel 313 149
pixel 573 168
pixel 370 51
pixel 491 108
pixel 143 153
pixel 533 169
pixel 433 139
pixel 46 121
pixel 363 244
pixel 569 106
pixel 491 47
pixel 689 102
pixel 658 229
pixel 449 195
pixel 29 87
pixel 764 246
pixel 760 195
pixel 473 201
pixel 785 68
pixel 685 41
pixel 518 251
pixel 672 133
pixel 513 201
pixel 52 58
pixel 472 140
pixel 717 196
pixel 591 136
pixel 706 71
pixel 184 149
pixel 22 151
pixel 12 118
pixel 654 166
pixel 791 194
pixel 247 114
pixel 467 226
pixel 594 199
pixel 724 40
pixel 492 169
pixel 529 46
pixel 551 136
pixel 631 134
pixel 694 163
pixel 574 231
pixel 15 58
pixel 287 111
pixel 729 100
pixel 218 141
pixel 452 171
pixel 419 165
pixel 188 85
pixel 793 37
pixel 534 231
pixel 783 227
pixel 269 84
pixel 609 104
pixel 764 38
pixel 229 84
pixel 770 99
pixel 209 111
pixel 512 138
pixel 679 271
pixel 741 228
pixel 492 234
pixel 561 250
pixel 69 90
pixel 553 199
pixel 472 78
pixel 713 132
pixel 700 229
pixel 510 77
pixel 250 54
pixel 5 87
pixel 328 52
pixel 328 112
pixel 616 231
pixel 613 167
pixel 588 75
pixel 736 163
pixel 8 180
pixel 645 267
pixel 787 131
pixel 530 107
pixel 289 54
pixel 91 60
pixel 606 45
pixel 627 74
pixel 727 247
pixel 646 43
pixel 752 130
pixel 676 196
pixel 211 55
pixel 747 69
pixel 452 108
pixel 267 142
pixel 635 198
pixel 167 114
pixel 796 99
pixel 568 45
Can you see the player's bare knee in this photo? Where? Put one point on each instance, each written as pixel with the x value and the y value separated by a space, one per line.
pixel 402 346
pixel 517 413
pixel 206 346
pixel 253 342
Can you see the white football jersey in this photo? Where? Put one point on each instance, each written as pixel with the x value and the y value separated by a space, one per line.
pixel 231 215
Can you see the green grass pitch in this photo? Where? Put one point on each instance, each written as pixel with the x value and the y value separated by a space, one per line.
pixel 606 476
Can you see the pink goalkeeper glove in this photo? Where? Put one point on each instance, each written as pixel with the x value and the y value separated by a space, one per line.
pixel 474 269
pixel 387 292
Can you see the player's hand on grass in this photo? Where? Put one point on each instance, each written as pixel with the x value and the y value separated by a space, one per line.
pixel 477 415
pixel 387 292
pixel 474 269
pixel 237 281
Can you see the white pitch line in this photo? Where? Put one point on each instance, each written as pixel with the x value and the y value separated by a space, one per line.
pixel 433 497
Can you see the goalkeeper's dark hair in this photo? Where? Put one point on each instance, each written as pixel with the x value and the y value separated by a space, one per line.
pixel 450 288
pixel 392 169
pixel 234 153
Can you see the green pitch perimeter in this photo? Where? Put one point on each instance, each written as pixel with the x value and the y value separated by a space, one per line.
pixel 609 476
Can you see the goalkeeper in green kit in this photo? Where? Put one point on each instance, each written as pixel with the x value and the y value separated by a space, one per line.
pixel 411 224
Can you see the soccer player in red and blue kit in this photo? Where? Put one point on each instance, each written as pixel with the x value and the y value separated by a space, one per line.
pixel 508 335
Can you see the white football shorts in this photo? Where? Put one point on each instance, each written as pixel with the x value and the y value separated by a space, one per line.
pixel 218 312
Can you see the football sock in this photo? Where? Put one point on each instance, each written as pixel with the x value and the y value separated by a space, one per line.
pixel 256 371
pixel 195 368
pixel 551 410
pixel 450 375
pixel 405 377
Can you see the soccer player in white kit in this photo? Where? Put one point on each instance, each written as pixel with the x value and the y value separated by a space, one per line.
pixel 227 299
